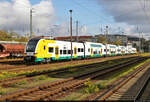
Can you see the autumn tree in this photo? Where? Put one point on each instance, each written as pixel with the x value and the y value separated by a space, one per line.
pixel 101 39
pixel 11 36
pixel 117 42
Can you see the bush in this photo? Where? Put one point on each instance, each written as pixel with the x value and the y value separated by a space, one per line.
pixel 72 70
pixel 110 62
pixel 42 77
pixel 101 86
pixel 18 83
pixel 90 87
pixel 22 82
pixel 1 91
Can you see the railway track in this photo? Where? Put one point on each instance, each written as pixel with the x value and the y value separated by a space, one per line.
pixel 51 91
pixel 17 66
pixel 144 92
pixel 9 81
pixel 122 90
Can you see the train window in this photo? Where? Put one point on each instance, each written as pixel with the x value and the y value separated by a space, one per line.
pixel 105 50
pixel 82 50
pixel 64 51
pixel 44 47
pixel 69 51
pixel 60 51
pixel 89 50
pixel 31 46
pixel 99 52
pixel 95 52
pixel 50 50
pixel 78 49
pixel 56 51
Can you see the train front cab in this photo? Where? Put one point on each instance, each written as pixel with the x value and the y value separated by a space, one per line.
pixel 30 50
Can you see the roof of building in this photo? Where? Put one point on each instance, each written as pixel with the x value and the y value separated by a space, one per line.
pixel 73 37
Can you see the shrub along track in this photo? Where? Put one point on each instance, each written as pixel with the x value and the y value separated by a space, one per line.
pixel 53 90
pixel 121 89
pixel 9 81
pixel 17 66
pixel 8 59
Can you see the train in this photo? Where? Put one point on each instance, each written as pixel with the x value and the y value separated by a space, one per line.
pixel 47 50
pixel 11 49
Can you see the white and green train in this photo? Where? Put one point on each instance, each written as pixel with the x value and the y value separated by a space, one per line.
pixel 46 50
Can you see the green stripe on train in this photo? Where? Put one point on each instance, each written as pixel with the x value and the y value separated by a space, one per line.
pixel 67 57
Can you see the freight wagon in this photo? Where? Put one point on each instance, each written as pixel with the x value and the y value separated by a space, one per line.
pixel 11 49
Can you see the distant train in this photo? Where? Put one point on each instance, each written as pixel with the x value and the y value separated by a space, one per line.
pixel 46 50
pixel 11 49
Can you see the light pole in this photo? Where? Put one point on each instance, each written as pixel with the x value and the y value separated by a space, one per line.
pixel 139 42
pixel 71 31
pixel 122 37
pixel 106 38
pixel 30 23
pixel 77 31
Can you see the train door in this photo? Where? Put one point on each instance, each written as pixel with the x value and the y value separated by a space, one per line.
pixel 109 52
pixel 56 52
pixel 44 52
pixel 75 52
pixel 101 52
pixel 91 51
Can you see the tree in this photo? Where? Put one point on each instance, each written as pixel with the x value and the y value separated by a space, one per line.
pixel 101 39
pixel 12 36
pixel 118 42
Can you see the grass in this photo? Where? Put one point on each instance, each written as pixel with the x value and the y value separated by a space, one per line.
pixel 75 72
pixel 48 78
pixel 91 87
pixel 6 74
pixel 120 74
pixel 1 91
pixel 27 83
pixel 145 54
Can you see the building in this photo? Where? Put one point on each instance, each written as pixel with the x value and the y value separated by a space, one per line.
pixel 75 38
pixel 111 38
pixel 124 39
pixel 134 41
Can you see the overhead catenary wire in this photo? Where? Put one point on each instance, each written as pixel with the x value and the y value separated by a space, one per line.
pixel 143 7
pixel 145 13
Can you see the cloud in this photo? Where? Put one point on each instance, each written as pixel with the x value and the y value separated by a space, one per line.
pixel 132 12
pixel 83 30
pixel 15 15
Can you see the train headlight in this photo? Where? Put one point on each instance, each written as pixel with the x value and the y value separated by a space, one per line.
pixel 35 54
pixel 25 54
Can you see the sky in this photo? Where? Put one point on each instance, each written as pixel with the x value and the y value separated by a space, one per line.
pixel 51 17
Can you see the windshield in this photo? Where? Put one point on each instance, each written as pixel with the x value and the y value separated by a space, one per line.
pixel 32 45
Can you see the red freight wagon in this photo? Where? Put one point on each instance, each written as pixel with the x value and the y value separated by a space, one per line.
pixel 12 50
